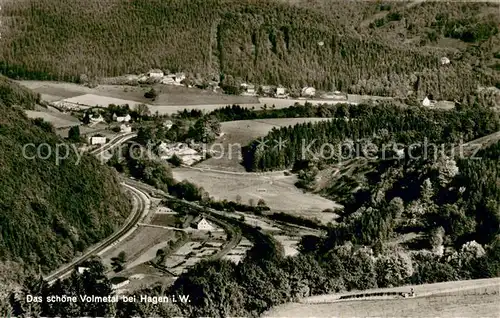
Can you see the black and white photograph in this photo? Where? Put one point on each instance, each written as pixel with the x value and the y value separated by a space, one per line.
pixel 250 158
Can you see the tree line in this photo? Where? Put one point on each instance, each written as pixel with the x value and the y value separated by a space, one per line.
pixel 356 126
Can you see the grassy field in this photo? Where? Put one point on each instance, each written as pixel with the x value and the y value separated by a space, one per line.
pixel 170 98
pixel 238 134
pixel 475 298
pixel 138 244
pixel 58 120
pixel 165 219
pixel 224 178
pixel 279 192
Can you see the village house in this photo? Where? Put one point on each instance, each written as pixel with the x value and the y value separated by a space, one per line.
pixel 81 269
pixel 123 119
pixel 97 140
pixel 200 223
pixel 267 89
pixel 280 91
pixel 251 89
pixel 155 73
pixel 179 77
pixel 168 79
pixel 125 128
pixel 308 92
pixel 445 60
pixel 428 102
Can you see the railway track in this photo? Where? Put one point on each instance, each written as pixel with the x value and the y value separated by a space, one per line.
pixel 113 143
pixel 140 206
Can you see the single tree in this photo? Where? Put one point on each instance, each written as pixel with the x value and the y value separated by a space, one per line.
pixel 74 134
pixel 152 94
pixel 118 261
pixel 175 160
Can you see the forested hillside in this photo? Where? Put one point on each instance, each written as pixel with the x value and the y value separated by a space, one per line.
pixel 48 212
pixel 356 126
pixel 13 94
pixel 261 41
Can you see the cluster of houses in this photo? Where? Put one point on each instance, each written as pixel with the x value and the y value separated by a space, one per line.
pixel 186 154
pixel 282 92
pixel 158 75
pixel 275 91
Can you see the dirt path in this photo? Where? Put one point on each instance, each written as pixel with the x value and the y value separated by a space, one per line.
pixel 471 298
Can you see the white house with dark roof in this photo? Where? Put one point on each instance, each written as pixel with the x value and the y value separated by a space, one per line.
pixel 308 91
pixel 124 128
pixel 426 102
pixel 96 140
pixel 155 73
pixel 280 91
pixel 202 224
pixel 123 119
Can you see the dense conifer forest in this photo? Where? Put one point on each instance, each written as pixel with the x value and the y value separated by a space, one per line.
pixel 48 211
pixel 450 205
pixel 323 43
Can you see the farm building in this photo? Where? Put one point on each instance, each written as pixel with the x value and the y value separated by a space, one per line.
pixel 119 282
pixel 445 60
pixel 168 79
pixel 251 89
pixel 155 73
pixel 200 223
pixel 426 102
pixel 123 119
pixel 308 91
pixel 267 89
pixel 280 91
pixel 97 140
pixel 125 128
pixel 179 77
